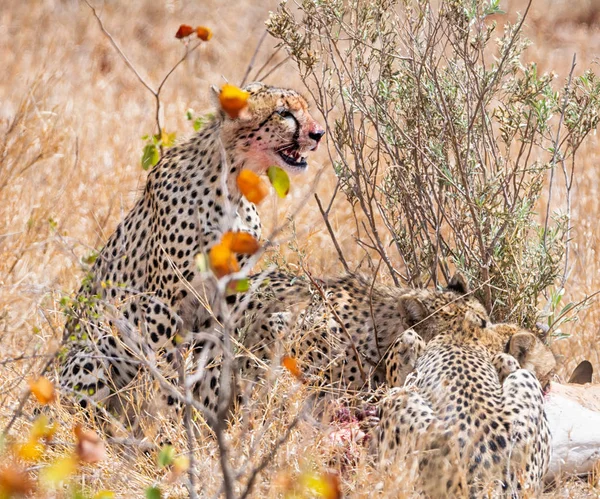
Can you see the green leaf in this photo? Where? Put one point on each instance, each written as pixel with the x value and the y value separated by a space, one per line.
pixel 166 456
pixel 202 262
pixel 242 285
pixel 150 157
pixel 198 122
pixel 279 180
pixel 153 493
pixel 189 114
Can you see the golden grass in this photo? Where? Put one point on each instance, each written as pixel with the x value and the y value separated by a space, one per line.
pixel 72 117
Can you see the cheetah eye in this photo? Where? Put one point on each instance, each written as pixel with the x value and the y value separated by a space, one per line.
pixel 284 113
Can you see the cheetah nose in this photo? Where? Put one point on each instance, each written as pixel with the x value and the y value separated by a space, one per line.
pixel 316 136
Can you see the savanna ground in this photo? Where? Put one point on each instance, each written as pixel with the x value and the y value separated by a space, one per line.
pixel 72 120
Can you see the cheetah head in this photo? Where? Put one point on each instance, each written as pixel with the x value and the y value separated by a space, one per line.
pixel 526 347
pixel 431 312
pixel 276 129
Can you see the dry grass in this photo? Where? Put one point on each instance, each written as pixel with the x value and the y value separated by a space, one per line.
pixel 72 117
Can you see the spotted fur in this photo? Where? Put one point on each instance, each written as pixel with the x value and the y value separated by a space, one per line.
pixel 145 296
pixel 340 329
pixel 469 412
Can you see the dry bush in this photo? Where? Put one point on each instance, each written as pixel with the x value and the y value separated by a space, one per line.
pixel 442 137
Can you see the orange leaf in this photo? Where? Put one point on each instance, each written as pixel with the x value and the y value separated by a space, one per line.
pixel 251 186
pixel 204 33
pixel 233 100
pixel 90 448
pixel 183 31
pixel 15 482
pixel 291 365
pixel 222 260
pixel 42 389
pixel 240 242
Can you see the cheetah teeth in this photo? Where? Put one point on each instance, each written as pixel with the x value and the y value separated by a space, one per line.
pixel 292 156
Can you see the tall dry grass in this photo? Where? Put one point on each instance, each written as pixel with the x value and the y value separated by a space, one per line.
pixel 70 145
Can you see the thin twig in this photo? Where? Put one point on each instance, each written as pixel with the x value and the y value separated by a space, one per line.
pixel 555 149
pixel 253 59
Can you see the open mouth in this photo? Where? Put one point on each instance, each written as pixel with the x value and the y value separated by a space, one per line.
pixel 291 155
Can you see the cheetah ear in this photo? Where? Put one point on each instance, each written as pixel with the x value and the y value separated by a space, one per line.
pixel 214 96
pixel 412 310
pixel 582 373
pixel 459 284
pixel 520 344
pixel 532 355
pixel 254 87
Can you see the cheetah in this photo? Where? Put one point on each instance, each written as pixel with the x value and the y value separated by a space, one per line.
pixel 472 411
pixel 142 297
pixel 340 329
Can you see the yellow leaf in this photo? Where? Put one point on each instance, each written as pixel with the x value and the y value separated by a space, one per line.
pixel 233 100
pixel 181 464
pixel 42 389
pixel 42 429
pixel 222 260
pixel 59 470
pixel 31 451
pixel 204 33
pixel 104 494
pixel 279 180
pixel 202 262
pixel 324 485
pixel 251 186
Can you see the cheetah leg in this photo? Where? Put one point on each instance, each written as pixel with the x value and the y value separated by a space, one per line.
pixel 402 357
pixel 263 343
pixel 529 436
pixel 505 365
pixel 405 419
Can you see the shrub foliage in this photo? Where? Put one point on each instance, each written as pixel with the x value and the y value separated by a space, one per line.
pixel 442 138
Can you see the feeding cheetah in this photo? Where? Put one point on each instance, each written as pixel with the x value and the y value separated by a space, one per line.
pixel 142 294
pixel 470 413
pixel 339 329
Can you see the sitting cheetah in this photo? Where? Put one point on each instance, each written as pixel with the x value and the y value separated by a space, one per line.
pixel 470 414
pixel 142 296
pixel 341 328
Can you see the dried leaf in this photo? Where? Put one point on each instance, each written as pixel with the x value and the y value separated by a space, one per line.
pixel 240 242
pixel 90 448
pixel 15 481
pixel 183 31
pixel 204 33
pixel 222 260
pixel 233 100
pixel 252 186
pixel 43 390
pixel 279 180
